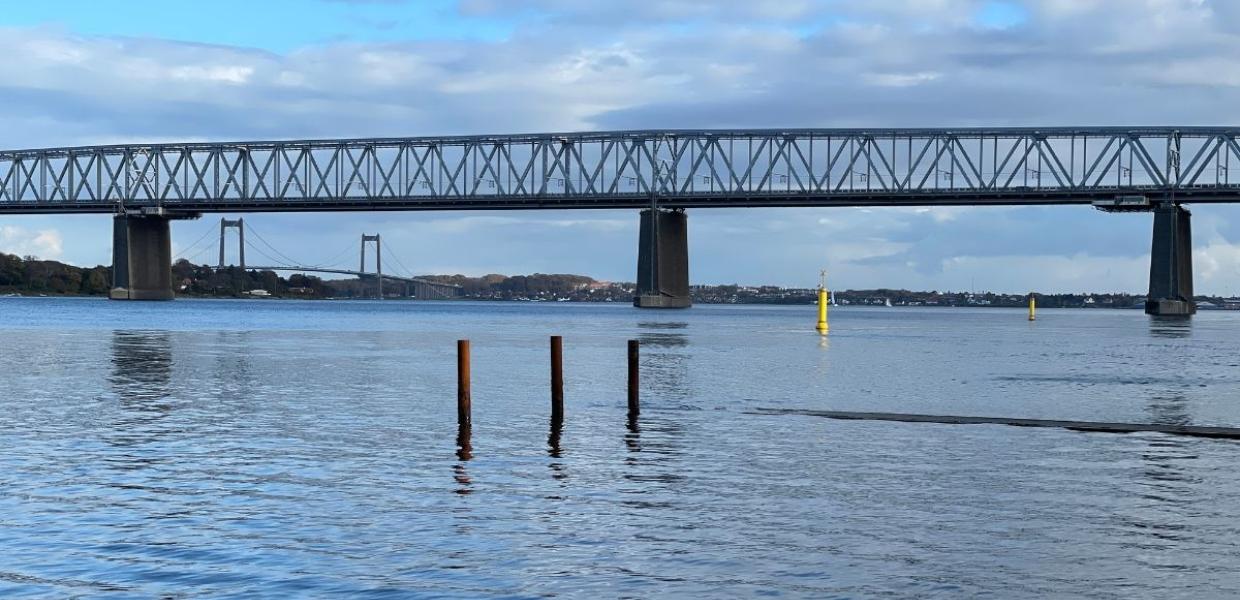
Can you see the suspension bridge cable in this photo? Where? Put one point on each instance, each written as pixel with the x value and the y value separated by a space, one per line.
pixel 284 256
pixel 408 271
pixel 331 262
pixel 267 256
pixel 191 259
pixel 198 241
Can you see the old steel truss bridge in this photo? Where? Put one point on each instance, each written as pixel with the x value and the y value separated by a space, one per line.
pixel 661 172
pixel 626 169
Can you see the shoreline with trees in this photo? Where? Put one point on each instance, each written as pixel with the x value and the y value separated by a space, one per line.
pixel 30 276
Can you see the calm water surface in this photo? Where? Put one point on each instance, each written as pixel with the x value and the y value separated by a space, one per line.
pixel 292 449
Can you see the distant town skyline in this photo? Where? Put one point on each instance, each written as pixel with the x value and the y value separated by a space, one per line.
pixel 106 72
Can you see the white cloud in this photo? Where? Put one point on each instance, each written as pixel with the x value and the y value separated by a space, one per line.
pixel 44 243
pixel 680 63
pixel 1074 273
pixel 475 223
pixel 217 73
pixel 900 79
pixel 1216 266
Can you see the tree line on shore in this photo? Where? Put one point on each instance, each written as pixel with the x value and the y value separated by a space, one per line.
pixel 33 276
pixel 30 275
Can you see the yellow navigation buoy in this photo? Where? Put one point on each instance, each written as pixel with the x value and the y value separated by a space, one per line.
pixel 1033 309
pixel 822 304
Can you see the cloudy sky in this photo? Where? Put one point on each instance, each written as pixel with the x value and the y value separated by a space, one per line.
pixel 107 71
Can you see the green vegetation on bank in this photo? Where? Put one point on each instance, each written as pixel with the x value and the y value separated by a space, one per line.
pixel 31 276
pixel 232 282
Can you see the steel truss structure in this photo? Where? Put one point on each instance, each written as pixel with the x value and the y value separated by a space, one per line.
pixel 631 169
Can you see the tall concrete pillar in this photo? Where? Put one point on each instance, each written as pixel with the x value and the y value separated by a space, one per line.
pixel 663 260
pixel 1171 263
pixel 141 258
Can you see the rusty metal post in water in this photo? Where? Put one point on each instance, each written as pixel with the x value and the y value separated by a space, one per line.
pixel 634 404
pixel 557 380
pixel 462 384
pixel 464 447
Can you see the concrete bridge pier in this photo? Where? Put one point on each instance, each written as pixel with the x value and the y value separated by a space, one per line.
pixel 1171 263
pixel 663 260
pixel 141 258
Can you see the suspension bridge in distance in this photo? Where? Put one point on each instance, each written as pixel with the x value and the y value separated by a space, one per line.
pixel 662 173
pixel 414 287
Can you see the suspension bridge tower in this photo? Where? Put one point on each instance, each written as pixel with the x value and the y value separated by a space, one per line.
pixel 239 225
pixel 378 260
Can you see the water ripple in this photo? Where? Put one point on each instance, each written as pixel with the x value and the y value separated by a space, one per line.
pixel 310 449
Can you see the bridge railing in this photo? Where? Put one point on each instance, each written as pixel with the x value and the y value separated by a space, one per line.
pixel 669 165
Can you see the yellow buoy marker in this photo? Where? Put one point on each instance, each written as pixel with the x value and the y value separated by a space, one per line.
pixel 822 304
pixel 1033 308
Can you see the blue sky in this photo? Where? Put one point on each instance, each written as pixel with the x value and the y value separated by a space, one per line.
pixel 84 72
pixel 273 25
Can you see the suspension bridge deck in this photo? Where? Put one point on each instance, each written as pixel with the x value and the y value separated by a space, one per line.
pixel 424 287
pixel 418 280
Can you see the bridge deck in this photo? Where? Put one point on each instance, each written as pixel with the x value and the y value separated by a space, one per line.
pixel 357 274
pixel 630 169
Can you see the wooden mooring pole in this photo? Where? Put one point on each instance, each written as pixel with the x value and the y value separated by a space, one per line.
pixel 557 379
pixel 462 384
pixel 634 402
